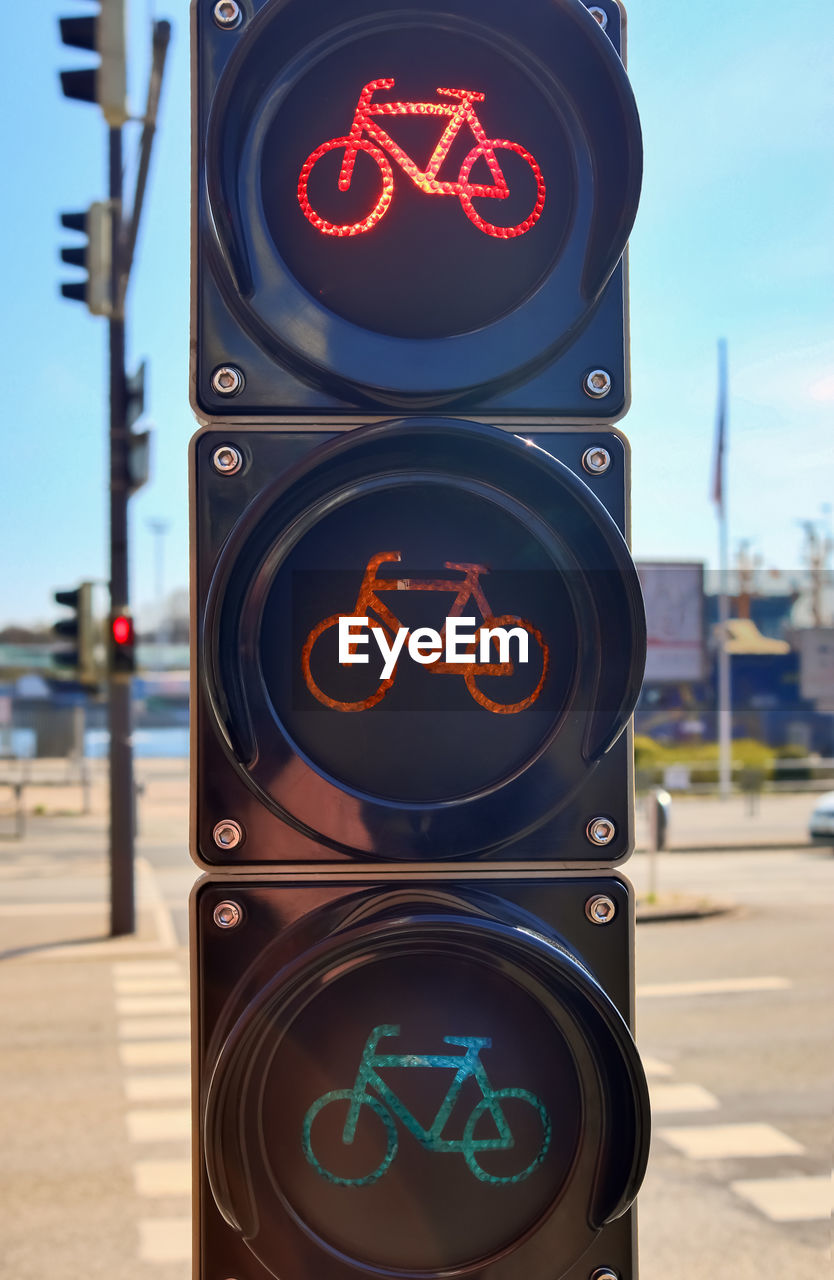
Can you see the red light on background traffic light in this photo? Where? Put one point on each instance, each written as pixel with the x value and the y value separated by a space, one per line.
pixel 122 627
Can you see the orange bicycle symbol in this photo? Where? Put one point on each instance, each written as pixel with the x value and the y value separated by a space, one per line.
pixel 369 136
pixel 465 589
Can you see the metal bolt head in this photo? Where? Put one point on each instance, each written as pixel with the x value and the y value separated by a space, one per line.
pixel 600 831
pixel 228 834
pixel 600 909
pixel 227 915
pixel 602 18
pixel 227 14
pixel 227 459
pixel 597 383
pixel 596 460
pixel 227 380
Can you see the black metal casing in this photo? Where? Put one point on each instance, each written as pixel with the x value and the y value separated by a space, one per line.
pixel 287 1001
pixel 427 774
pixel 422 311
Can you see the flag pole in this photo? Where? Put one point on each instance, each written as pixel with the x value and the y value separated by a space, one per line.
pixel 725 713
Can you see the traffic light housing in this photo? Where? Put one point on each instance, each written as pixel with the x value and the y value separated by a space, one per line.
pixel 80 661
pixel 122 645
pixel 415 872
pixel 105 84
pixel 444 762
pixel 478 1028
pixel 417 643
pixel 139 442
pixel 340 272
pixel 95 257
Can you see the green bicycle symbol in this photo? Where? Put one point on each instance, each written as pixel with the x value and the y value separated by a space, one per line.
pixel 389 1108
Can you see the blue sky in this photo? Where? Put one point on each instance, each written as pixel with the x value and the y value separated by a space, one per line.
pixel 733 238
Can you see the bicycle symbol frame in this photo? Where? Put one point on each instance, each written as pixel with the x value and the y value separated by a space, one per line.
pixel 369 136
pixel 465 589
pixel 389 1108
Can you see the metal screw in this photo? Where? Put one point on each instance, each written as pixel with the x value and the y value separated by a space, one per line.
pixel 227 459
pixel 227 380
pixel 602 18
pixel 596 460
pixel 600 909
pixel 227 14
pixel 227 915
pixel 600 831
pixel 597 383
pixel 228 834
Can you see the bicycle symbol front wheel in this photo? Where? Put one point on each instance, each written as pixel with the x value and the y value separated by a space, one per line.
pixel 466 191
pixel 473 1146
pixel 379 209
pixel 346 1096
pixel 335 705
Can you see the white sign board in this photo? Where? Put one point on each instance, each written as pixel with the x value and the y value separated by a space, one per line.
pixel 816 665
pixel 674 596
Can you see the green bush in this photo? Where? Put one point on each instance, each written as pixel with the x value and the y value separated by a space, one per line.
pixel 750 759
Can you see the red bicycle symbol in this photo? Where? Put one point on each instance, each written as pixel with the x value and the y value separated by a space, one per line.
pixel 369 136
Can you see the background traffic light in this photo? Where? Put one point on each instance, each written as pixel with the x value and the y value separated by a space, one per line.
pixel 336 276
pixel 79 662
pixel 106 83
pixel 95 257
pixel 122 645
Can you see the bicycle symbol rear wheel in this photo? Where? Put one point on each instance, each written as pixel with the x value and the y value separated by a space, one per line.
pixel 334 703
pixel 379 209
pixel 368 1100
pixel 511 708
pixel 466 197
pixel 470 1142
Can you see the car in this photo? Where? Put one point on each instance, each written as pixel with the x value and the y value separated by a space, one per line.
pixel 821 824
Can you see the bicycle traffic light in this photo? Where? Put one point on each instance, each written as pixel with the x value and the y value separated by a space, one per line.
pixel 418 643
pixel 421 210
pixel 106 83
pixel 80 661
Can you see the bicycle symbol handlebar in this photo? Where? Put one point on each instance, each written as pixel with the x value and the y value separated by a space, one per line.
pixel 369 137
pixel 388 1107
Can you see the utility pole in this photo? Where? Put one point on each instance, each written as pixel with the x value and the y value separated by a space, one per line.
pixel 104 294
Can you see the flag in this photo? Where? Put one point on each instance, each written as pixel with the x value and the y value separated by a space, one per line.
pixel 720 429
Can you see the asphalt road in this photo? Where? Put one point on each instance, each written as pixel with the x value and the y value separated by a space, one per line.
pixel 734 1022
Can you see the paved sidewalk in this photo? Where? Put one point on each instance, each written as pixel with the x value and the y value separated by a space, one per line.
pixel 94 1123
pixel 777 821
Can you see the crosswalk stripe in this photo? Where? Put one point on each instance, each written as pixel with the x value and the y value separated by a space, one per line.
pixel 654 1067
pixel 152 1028
pixel 152 1004
pixel 798 1199
pixel 681 1097
pixel 155 1053
pixel 724 1141
pixel 165 1239
pixel 146 968
pixel 151 986
pixel 162 1177
pixel 157 1088
pixel 712 987
pixel 167 1124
